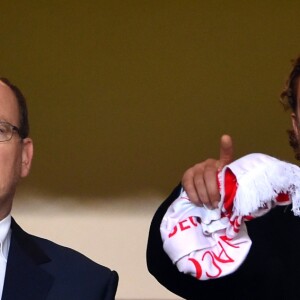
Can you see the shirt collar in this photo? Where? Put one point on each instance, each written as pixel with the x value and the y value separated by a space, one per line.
pixel 5 234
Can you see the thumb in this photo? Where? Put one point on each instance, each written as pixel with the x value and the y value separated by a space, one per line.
pixel 226 151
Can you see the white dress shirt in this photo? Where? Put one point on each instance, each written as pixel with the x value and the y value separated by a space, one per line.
pixel 5 234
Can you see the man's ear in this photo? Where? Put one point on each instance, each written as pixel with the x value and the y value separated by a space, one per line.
pixel 27 154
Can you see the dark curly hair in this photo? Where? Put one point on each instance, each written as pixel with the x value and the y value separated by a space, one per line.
pixel 289 100
pixel 24 123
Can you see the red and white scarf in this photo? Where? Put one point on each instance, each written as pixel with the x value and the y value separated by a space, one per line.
pixel 208 243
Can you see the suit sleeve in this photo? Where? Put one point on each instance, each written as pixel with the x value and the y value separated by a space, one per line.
pixel 111 286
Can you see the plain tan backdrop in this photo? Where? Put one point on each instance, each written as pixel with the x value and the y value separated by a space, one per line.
pixel 125 95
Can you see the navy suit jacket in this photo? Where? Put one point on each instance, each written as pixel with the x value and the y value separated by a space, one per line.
pixel 38 269
pixel 270 271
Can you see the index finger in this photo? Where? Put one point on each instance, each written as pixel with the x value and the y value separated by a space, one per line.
pixel 226 151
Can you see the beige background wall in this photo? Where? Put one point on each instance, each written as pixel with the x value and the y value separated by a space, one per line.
pixel 125 95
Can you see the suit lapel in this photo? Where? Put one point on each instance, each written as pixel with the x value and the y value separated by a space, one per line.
pixel 24 278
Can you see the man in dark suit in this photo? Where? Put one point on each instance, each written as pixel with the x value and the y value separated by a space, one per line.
pixel 32 268
pixel 271 269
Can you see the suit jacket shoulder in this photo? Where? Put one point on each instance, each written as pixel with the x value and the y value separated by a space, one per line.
pixel 40 269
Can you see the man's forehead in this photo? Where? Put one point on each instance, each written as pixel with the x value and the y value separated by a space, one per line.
pixel 8 101
pixel 6 90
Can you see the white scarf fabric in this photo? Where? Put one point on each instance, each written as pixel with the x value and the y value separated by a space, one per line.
pixel 208 244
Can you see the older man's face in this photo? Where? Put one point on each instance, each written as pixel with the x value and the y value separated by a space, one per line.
pixel 15 154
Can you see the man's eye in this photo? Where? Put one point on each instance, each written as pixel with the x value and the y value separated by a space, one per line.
pixel 3 130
